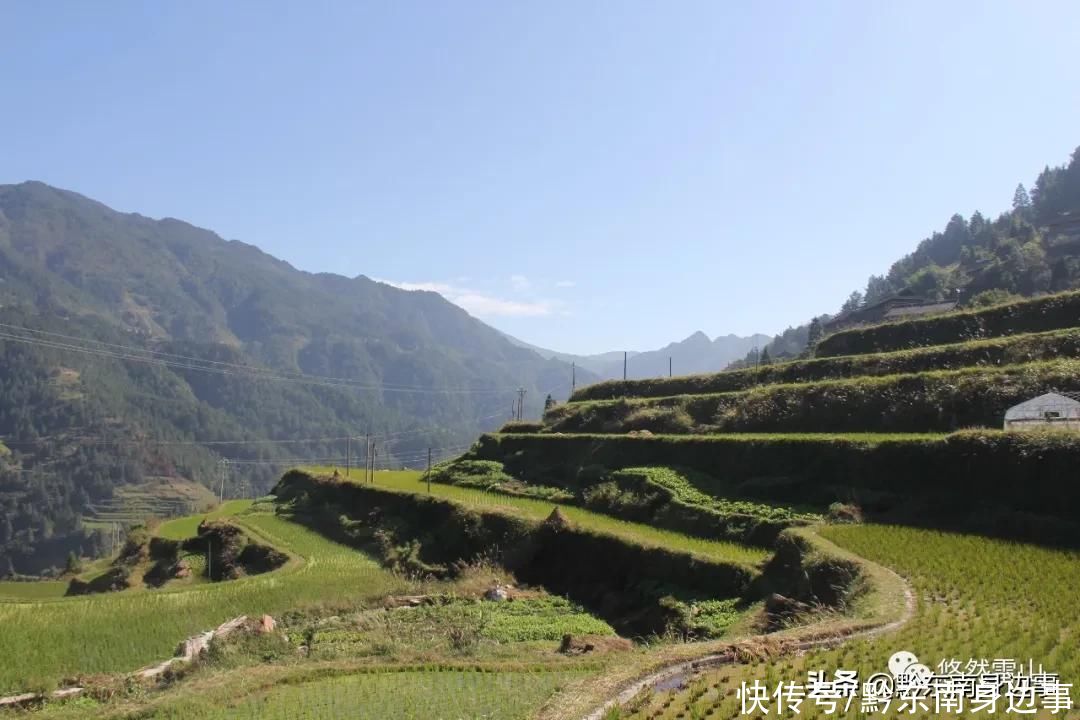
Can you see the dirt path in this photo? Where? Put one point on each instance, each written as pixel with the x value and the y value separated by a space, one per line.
pixel 674 674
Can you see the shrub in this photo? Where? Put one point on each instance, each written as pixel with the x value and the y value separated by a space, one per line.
pixel 522 426
pixel 623 502
pixel 844 513
pixel 114 579
pixel 658 420
pixel 989 298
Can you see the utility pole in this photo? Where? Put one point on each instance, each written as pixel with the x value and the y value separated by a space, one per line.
pixel 669 366
pixel 624 365
pixel 429 471
pixel 374 456
pixel 520 404
pixel 348 455
pixel 209 558
pixel 573 377
pixel 224 470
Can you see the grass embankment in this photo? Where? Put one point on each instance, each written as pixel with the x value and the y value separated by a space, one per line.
pixel 937 401
pixel 1016 485
pixel 538 510
pixel 977 599
pixel 644 581
pixel 676 499
pixel 1012 350
pixel 187 527
pixel 1050 312
pixel 123 631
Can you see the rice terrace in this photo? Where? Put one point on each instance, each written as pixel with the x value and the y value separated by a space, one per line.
pixel 539 361
pixel 652 565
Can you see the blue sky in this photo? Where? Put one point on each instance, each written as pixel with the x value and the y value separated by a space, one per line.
pixel 588 176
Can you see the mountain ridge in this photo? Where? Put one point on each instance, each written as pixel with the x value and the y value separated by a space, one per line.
pixel 697 353
pixel 133 348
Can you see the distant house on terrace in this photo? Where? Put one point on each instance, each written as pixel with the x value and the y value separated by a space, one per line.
pixel 1052 410
pixel 894 307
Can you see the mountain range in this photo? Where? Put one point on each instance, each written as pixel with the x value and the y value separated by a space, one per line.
pixel 696 354
pixel 135 349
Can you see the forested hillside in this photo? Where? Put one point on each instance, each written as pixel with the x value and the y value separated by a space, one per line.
pixel 134 350
pixel 1031 249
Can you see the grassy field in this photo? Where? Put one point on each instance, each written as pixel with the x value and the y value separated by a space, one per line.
pixel 39 590
pixel 121 632
pixel 187 526
pixel 412 481
pixel 445 693
pixel 977 598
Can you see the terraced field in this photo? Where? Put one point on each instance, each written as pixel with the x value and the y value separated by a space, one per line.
pixel 925 401
pixel 72 636
pixel 978 598
pixel 441 694
pixel 158 498
pixel 663 498
pixel 413 482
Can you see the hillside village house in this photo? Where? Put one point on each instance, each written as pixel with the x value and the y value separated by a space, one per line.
pixel 1052 410
pixel 894 307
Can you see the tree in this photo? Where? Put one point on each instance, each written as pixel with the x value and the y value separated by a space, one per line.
pixel 765 359
pixel 877 288
pixel 1021 199
pixel 73 566
pixel 853 303
pixel 816 331
pixel 549 402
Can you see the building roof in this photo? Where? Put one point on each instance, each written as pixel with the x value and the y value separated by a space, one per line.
pixel 1051 401
pixel 914 310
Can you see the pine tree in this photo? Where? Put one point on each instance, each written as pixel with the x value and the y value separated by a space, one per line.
pixel 854 302
pixel 549 402
pixel 73 566
pixel 765 359
pixel 1021 199
pixel 814 333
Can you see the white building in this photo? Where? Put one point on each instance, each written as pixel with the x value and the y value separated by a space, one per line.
pixel 1052 410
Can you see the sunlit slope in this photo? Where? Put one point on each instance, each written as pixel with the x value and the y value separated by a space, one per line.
pixel 123 631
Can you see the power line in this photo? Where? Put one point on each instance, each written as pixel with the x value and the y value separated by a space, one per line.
pixel 255 373
pixel 92 440
pixel 237 366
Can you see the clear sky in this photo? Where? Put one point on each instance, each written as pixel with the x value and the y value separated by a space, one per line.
pixel 588 176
